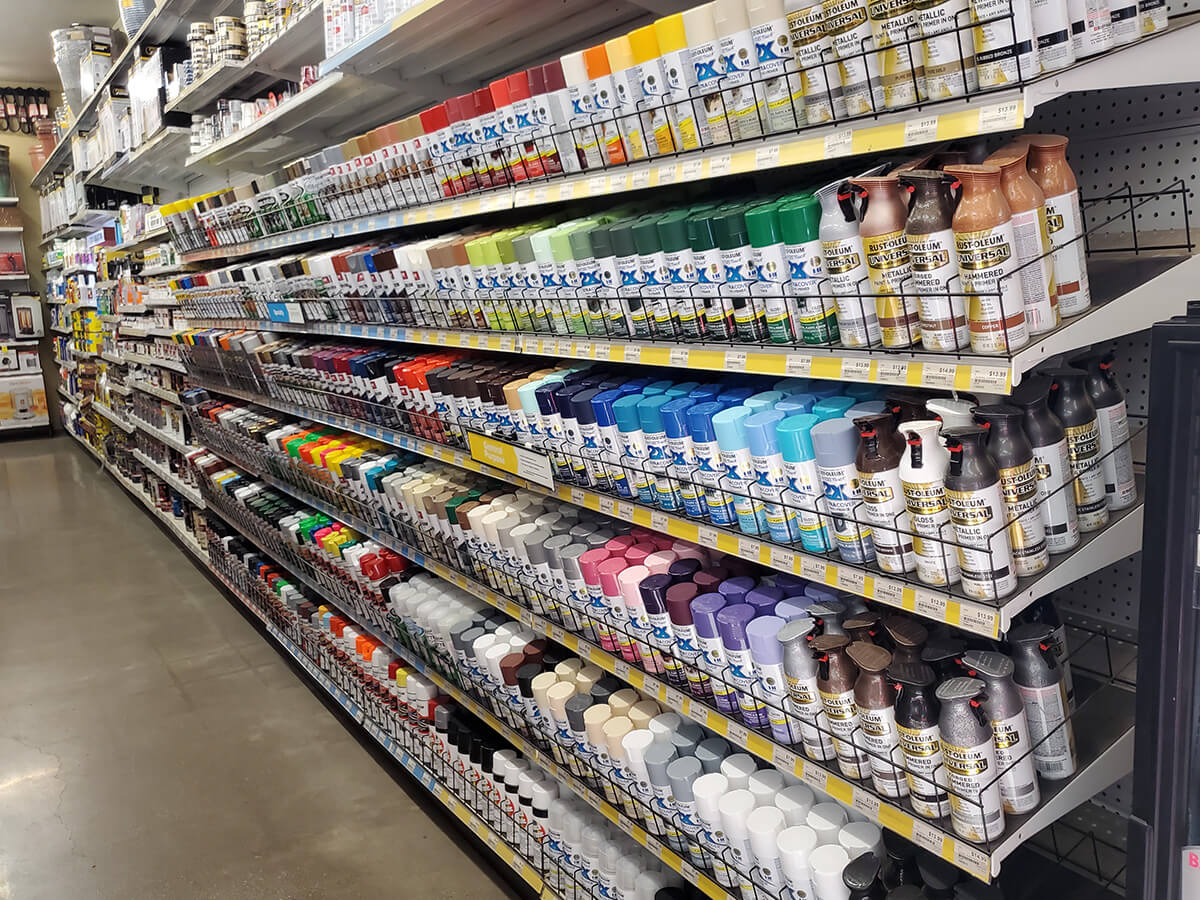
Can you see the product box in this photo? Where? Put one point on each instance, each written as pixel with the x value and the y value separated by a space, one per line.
pixel 22 402
pixel 20 317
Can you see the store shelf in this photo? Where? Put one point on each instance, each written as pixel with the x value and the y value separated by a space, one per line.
pixel 158 434
pixel 120 421
pixel 153 236
pixel 11 229
pixel 131 331
pixel 1128 295
pixel 63 331
pixel 1121 538
pixel 112 358
pixel 1103 725
pixel 170 478
pixel 155 162
pixel 9 201
pixel 65 394
pixel 153 390
pixel 154 271
pixel 171 364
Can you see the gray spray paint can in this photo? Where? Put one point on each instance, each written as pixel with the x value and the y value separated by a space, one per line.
pixel 1039 679
pixel 969 754
pixel 1018 784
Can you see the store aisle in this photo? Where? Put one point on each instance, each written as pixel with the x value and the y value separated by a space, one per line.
pixel 154 744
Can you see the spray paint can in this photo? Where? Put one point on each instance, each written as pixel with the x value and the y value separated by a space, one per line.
pixel 902 77
pixel 846 267
pixel 689 130
pixel 780 92
pixel 920 738
pixel 1091 27
pixel 709 67
pixel 806 491
pixel 687 644
pixel 969 753
pixel 881 226
pixel 1126 21
pixel 1069 400
pixel 1048 166
pixel 835 444
pixel 1116 452
pixel 1005 49
pixel 820 76
pixel 728 425
pixel 978 514
pixel 1043 612
pixel 814 318
pixel 709 470
pixel 849 29
pixel 1013 454
pixel 740 63
pixel 1002 704
pixel 1154 16
pixel 770 481
pixel 683 773
pixel 732 622
pixel 1052 29
pixel 923 479
pixel 771 270
pixel 768 653
pixel 1040 681
pixel 836 674
pixel 875 697
pixel 880 451
pixel 712 660
pixel 800 670
pixel 948 47
pixel 934 260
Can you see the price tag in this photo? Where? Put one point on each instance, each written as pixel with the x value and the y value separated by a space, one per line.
pixel 578 497
pixel 797 365
pixel 625 511
pixel 866 803
pixel 597 185
pixel 735 360
pixel 660 521
pixel 1000 116
pixel 583 349
pixel 621 669
pixel 922 130
pixel 456 210
pixel 783 559
pixel 720 165
pixel 889 592
pixel 526 618
pixel 608 505
pixel 640 179
pixel 856 369
pixel 853 580
pixel 814 776
pixel 931 605
pixel 993 379
pixel 929 838
pixel 978 620
pixel 556 633
pixel 688 871
pixel 890 371
pixel 839 143
pixel 748 548
pixel 679 357
pixel 603 351
pixel 442 338
pixel 785 760
pixel 666 175
pixel 766 157
pixel 617 183
pixel 677 701
pixel 707 536
pixel 492 840
pixel 938 374
pixel 737 734
pixel 653 844
pixel 538 195
pixel 691 170
pixel 812 569
pixel 972 859
pixel 633 353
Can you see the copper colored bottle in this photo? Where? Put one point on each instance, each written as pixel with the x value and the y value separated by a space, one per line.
pixel 884 212
pixel 984 239
pixel 1027 204
pixel 836 674
pixel 1048 166
pixel 875 697
pixel 934 260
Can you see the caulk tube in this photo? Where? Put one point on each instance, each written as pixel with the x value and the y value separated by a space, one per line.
pixel 709 471
pixel 728 425
pixel 681 454
pixel 970 761
pixel 805 494
pixel 770 482
pixel 1052 464
pixel 1013 454
pixel 923 479
pixel 735 808
pixel 732 622
pixel 1116 453
pixel 796 844
pixel 1002 704
pixel 653 598
pixel 1039 680
pixel 664 814
pixel 1005 48
pixel 978 513
pixel 880 452
pixel 683 773
pixel 800 672
pixel 713 661
pixel 820 74
pixel 849 29
pixel 845 260
pixel 708 789
pixel 780 91
pixel 1070 401
pixel 767 652
pixel 835 443
pixel 687 647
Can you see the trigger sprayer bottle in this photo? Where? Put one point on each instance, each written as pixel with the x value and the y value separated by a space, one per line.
pixel 1044 612
pixel 920 738
pixel 800 670
pixel 1116 453
pixel 875 697
pixel 1040 681
pixel 970 760
pixel 1010 731
pixel 1052 463
pixel 880 450
pixel 1010 448
pixel 1069 400
pixel 977 511
pixel 846 268
pixel 836 674
pixel 923 478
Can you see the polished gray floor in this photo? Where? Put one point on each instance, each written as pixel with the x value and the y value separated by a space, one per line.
pixel 154 744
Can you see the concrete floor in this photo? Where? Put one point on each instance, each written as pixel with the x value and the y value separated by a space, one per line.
pixel 154 744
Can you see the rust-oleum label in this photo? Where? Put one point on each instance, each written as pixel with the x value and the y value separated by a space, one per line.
pixel 1083 446
pixel 1026 532
pixel 996 315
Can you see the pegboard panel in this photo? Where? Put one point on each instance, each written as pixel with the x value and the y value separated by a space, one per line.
pixel 1118 798
pixel 1109 596
pixel 1132 365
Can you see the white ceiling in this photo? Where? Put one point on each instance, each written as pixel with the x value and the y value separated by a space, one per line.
pixel 25 54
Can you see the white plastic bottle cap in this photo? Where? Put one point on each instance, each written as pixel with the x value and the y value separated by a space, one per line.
pixel 765 785
pixel 544 793
pixel 698 25
pixel 858 838
pixel 636 743
pixel 594 718
pixel 729 16
pixel 574 71
pixel 795 845
pixel 507 630
pixel 622 701
pixel 567 669
pixel 615 730
pixel 586 677
pixel 557 696
pixel 494 654
pixel 629 866
pixel 540 685
pixel 664 725
pixel 593 840
pixel 480 648
pixel 735 808
pixel 642 712
pixel 827 863
pixel 794 802
pixel 827 819
pixel 610 858
pixel 765 825
pixel 708 790
pixel 738 769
